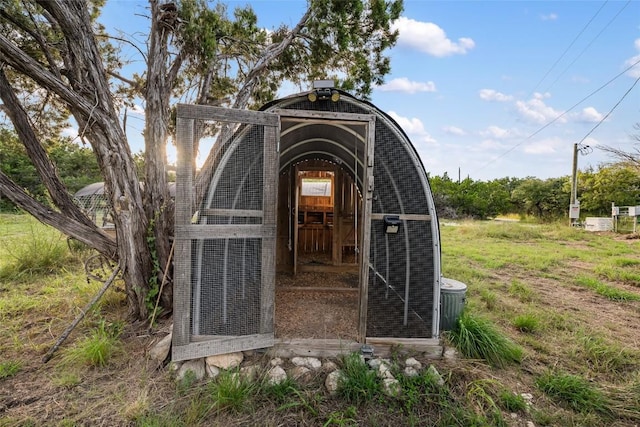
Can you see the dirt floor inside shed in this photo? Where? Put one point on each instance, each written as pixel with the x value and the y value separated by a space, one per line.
pixel 317 305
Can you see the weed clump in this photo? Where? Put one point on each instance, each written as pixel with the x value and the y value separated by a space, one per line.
pixel 9 368
pixel 357 383
pixel 576 392
pixel 38 252
pixel 528 323
pixel 477 338
pixel 232 391
pixel 98 348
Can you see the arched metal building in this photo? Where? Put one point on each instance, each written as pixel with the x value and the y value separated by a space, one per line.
pixel 317 224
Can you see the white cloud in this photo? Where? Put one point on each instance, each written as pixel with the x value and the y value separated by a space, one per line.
pixel 635 71
pixel 549 17
pixel 493 95
pixel 590 115
pixel 414 128
pixel 495 132
pixel 453 130
pixel 429 38
pixel 488 144
pixel 536 111
pixel 137 109
pixel 69 132
pixel 405 85
pixel 543 146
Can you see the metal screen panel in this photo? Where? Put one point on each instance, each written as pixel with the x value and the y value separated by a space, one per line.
pixel 401 289
pixel 225 244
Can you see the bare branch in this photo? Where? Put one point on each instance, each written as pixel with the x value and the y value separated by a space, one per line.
pixel 87 235
pixel 18 59
pixel 130 82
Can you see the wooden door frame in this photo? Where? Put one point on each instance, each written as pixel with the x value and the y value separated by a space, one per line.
pixel 186 345
pixel 368 120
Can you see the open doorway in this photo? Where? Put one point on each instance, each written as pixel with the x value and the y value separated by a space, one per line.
pixel 319 232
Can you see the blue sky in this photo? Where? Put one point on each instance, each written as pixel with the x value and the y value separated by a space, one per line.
pixel 491 87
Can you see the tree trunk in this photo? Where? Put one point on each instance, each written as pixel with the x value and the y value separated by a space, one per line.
pixel 85 90
pixel 158 205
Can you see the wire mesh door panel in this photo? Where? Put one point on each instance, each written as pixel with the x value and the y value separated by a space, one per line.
pixel 225 240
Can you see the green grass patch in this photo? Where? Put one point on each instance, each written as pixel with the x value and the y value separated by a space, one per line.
pixel 619 274
pixel 358 383
pixel 607 291
pixel 489 298
pixel 604 356
pixel 97 348
pixel 521 291
pixel 478 338
pixel 425 389
pixel 511 401
pixel 281 392
pixel 481 394
pixel 232 391
pixel 528 322
pixel 40 251
pixel 66 379
pixel 626 262
pixel 576 392
pixel 9 368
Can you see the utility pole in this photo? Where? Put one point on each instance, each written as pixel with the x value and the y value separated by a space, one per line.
pixel 574 204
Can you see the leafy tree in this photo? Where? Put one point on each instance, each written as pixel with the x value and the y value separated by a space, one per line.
pixel 473 199
pixel 544 199
pixel 58 62
pixel 76 165
pixel 15 163
pixel 618 183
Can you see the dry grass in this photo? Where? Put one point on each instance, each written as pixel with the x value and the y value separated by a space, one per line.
pixel 577 288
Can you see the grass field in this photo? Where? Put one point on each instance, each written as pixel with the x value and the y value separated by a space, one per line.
pixel 567 303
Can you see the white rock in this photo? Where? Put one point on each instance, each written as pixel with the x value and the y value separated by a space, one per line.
pixel 332 381
pixel 226 361
pixel 301 373
pixel 309 362
pixel 391 387
pixel 514 415
pixel 410 371
pixel 212 371
pixel 451 353
pixel 434 373
pixel 276 375
pixel 375 363
pixel 196 366
pixel 250 372
pixel 275 362
pixel 329 366
pixel 384 371
pixel 160 351
pixel 530 424
pixel 174 366
pixel 528 397
pixel 413 363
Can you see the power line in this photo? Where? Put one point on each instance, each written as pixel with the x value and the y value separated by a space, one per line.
pixel 569 47
pixel 588 45
pixel 558 117
pixel 610 111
